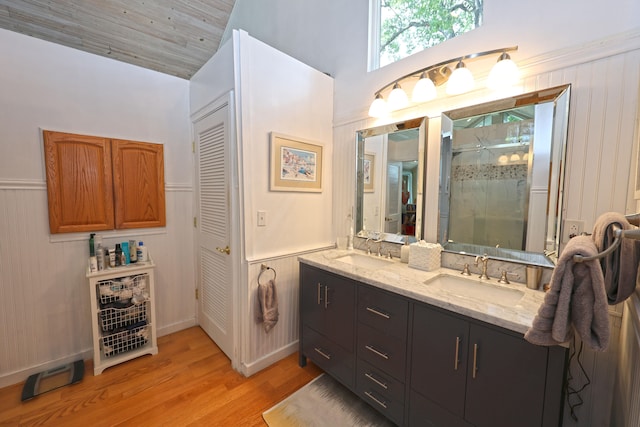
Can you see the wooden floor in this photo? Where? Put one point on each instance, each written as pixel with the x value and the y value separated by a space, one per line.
pixel 188 383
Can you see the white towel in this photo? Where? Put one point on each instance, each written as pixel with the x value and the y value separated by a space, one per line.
pixel 268 305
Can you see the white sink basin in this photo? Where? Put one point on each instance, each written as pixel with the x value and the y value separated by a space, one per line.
pixel 476 289
pixel 367 261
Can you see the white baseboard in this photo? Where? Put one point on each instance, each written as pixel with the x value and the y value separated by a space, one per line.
pixel 175 327
pixel 22 375
pixel 264 362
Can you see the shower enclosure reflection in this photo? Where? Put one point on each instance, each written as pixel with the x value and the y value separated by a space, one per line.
pixel 501 173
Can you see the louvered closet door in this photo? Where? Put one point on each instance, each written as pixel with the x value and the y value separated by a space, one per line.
pixel 214 264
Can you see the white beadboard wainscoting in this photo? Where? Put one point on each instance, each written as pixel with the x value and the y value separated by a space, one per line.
pixel 265 348
pixel 44 294
pixel 626 397
pixel 602 120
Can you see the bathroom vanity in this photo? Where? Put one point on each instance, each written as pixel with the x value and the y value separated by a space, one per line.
pixel 428 348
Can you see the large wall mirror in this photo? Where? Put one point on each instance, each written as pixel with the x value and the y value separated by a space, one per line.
pixel 390 180
pixel 501 176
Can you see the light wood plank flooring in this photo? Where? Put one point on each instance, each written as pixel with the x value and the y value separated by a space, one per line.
pixel 188 383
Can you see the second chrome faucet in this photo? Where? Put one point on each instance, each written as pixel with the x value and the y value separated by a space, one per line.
pixel 485 260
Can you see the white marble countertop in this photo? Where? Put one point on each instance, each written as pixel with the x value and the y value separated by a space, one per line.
pixel 404 280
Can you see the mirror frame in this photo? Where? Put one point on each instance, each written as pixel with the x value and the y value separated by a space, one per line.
pixel 419 123
pixel 552 94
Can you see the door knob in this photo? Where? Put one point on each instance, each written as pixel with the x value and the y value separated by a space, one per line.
pixel 226 250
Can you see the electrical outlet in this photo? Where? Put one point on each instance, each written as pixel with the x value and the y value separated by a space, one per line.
pixel 571 228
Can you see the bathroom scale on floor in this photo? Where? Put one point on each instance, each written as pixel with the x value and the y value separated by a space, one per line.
pixel 52 379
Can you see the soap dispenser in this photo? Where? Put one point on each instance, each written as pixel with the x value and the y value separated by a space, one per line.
pixel 404 251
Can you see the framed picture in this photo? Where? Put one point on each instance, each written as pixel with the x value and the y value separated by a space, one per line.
pixel 368 169
pixel 296 164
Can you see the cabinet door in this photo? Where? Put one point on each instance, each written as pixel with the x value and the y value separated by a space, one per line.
pixel 138 181
pixel 79 183
pixel 312 295
pixel 328 304
pixel 439 358
pixel 505 380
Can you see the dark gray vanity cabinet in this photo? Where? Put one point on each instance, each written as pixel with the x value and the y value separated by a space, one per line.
pixel 421 365
pixel 327 322
pixel 382 350
pixel 463 371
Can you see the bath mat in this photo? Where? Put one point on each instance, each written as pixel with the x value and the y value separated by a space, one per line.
pixel 323 402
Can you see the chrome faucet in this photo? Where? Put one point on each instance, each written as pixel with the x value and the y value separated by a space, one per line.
pixel 485 261
pixel 379 242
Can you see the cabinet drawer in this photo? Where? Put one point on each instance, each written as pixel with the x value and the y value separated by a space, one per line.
pixel 385 352
pixel 329 356
pixel 391 407
pixel 371 378
pixel 383 311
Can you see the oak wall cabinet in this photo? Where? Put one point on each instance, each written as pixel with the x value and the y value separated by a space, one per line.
pixel 97 183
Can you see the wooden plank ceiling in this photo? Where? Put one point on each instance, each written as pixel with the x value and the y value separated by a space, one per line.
pixel 175 37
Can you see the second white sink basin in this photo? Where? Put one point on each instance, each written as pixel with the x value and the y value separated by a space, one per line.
pixel 367 261
pixel 476 289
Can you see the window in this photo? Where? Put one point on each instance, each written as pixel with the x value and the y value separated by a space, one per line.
pixel 399 28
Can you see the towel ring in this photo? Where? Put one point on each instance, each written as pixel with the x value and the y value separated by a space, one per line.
pixel 264 268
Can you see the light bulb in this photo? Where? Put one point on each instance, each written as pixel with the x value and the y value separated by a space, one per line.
pixel 424 90
pixel 397 98
pixel 378 107
pixel 461 80
pixel 504 73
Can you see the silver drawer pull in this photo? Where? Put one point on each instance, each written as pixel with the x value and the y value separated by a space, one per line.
pixel 379 313
pixel 319 295
pixel 475 361
pixel 322 353
pixel 372 397
pixel 457 358
pixel 379 353
pixel 375 380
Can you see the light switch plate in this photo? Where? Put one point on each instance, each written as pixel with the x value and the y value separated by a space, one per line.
pixel 262 218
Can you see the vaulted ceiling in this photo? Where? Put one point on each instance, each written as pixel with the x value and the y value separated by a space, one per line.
pixel 175 37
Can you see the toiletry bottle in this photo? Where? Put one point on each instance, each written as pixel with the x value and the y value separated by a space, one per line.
pixel 133 251
pixel 97 241
pixel 100 256
pixel 350 239
pixel 112 258
pixel 125 253
pixel 142 252
pixel 93 261
pixel 118 255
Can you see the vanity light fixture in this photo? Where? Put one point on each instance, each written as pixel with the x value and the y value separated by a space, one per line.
pixel 504 73
pixel 424 90
pixel 397 98
pixel 460 80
